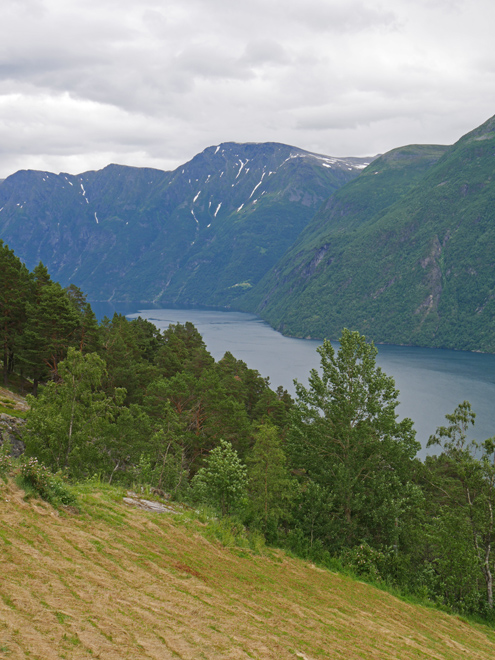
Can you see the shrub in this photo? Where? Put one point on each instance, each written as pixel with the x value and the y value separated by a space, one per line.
pixel 365 561
pixel 38 479
pixel 223 482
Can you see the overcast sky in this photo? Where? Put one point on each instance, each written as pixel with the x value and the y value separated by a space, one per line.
pixel 153 82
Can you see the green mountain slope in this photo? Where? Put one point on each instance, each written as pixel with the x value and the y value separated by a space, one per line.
pixel 117 581
pixel 201 234
pixel 404 254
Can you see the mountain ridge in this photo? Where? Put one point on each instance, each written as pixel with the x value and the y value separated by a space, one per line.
pixel 399 249
pixel 416 268
pixel 198 234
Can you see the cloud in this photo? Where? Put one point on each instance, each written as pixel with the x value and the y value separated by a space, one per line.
pixel 157 81
pixel 260 52
pixel 353 16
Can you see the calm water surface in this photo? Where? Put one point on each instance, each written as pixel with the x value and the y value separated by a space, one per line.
pixel 431 381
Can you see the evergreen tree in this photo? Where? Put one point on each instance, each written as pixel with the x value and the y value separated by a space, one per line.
pixel 182 349
pixel 87 335
pixel 15 291
pixel 52 328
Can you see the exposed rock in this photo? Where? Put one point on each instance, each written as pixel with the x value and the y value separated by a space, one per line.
pixel 133 499
pixel 11 431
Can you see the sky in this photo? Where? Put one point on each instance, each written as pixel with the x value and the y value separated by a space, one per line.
pixel 151 83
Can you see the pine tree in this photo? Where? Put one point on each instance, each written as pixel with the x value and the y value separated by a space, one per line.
pixel 52 329
pixel 15 291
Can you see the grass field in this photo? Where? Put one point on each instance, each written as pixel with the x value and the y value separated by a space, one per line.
pixel 112 581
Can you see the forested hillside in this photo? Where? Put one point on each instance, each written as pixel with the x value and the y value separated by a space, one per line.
pixel 331 476
pixel 403 254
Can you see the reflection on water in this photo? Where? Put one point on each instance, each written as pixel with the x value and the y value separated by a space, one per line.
pixel 431 381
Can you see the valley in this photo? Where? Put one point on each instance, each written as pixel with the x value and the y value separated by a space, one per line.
pixel 398 247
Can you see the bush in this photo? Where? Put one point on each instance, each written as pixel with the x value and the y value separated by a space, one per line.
pixel 366 561
pixel 223 481
pixel 232 533
pixel 36 478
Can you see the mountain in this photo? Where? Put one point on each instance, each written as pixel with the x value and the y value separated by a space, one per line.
pixel 117 581
pixel 404 253
pixel 204 233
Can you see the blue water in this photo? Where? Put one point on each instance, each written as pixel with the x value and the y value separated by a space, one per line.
pixel 431 381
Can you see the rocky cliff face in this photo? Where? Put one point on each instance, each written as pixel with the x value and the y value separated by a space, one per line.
pixel 11 433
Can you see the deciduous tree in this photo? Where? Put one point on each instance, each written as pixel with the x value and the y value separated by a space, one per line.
pixel 347 438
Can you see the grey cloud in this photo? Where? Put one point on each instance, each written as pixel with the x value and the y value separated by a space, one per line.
pixel 210 62
pixel 157 81
pixel 351 16
pixel 265 51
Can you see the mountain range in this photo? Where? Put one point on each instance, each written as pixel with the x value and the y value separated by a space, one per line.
pixel 399 247
pixel 201 234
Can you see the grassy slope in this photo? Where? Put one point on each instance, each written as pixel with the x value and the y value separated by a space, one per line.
pixel 116 582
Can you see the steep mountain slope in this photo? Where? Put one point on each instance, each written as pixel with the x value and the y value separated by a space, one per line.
pixel 408 263
pixel 113 581
pixel 201 234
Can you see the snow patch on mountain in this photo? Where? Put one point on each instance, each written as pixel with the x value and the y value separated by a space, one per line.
pixel 242 165
pixel 257 185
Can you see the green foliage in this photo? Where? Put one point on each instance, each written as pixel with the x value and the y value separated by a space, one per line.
pixel 453 437
pixel 313 513
pixel 346 437
pixel 223 481
pixel 36 478
pixel 402 254
pixel 365 561
pixel 233 534
pixel 165 469
pixel 14 295
pixel 459 526
pixel 270 486
pixel 68 424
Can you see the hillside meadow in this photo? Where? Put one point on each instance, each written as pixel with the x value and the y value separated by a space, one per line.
pixel 111 580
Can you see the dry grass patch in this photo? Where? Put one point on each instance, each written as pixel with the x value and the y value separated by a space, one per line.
pixel 118 582
pixel 11 401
